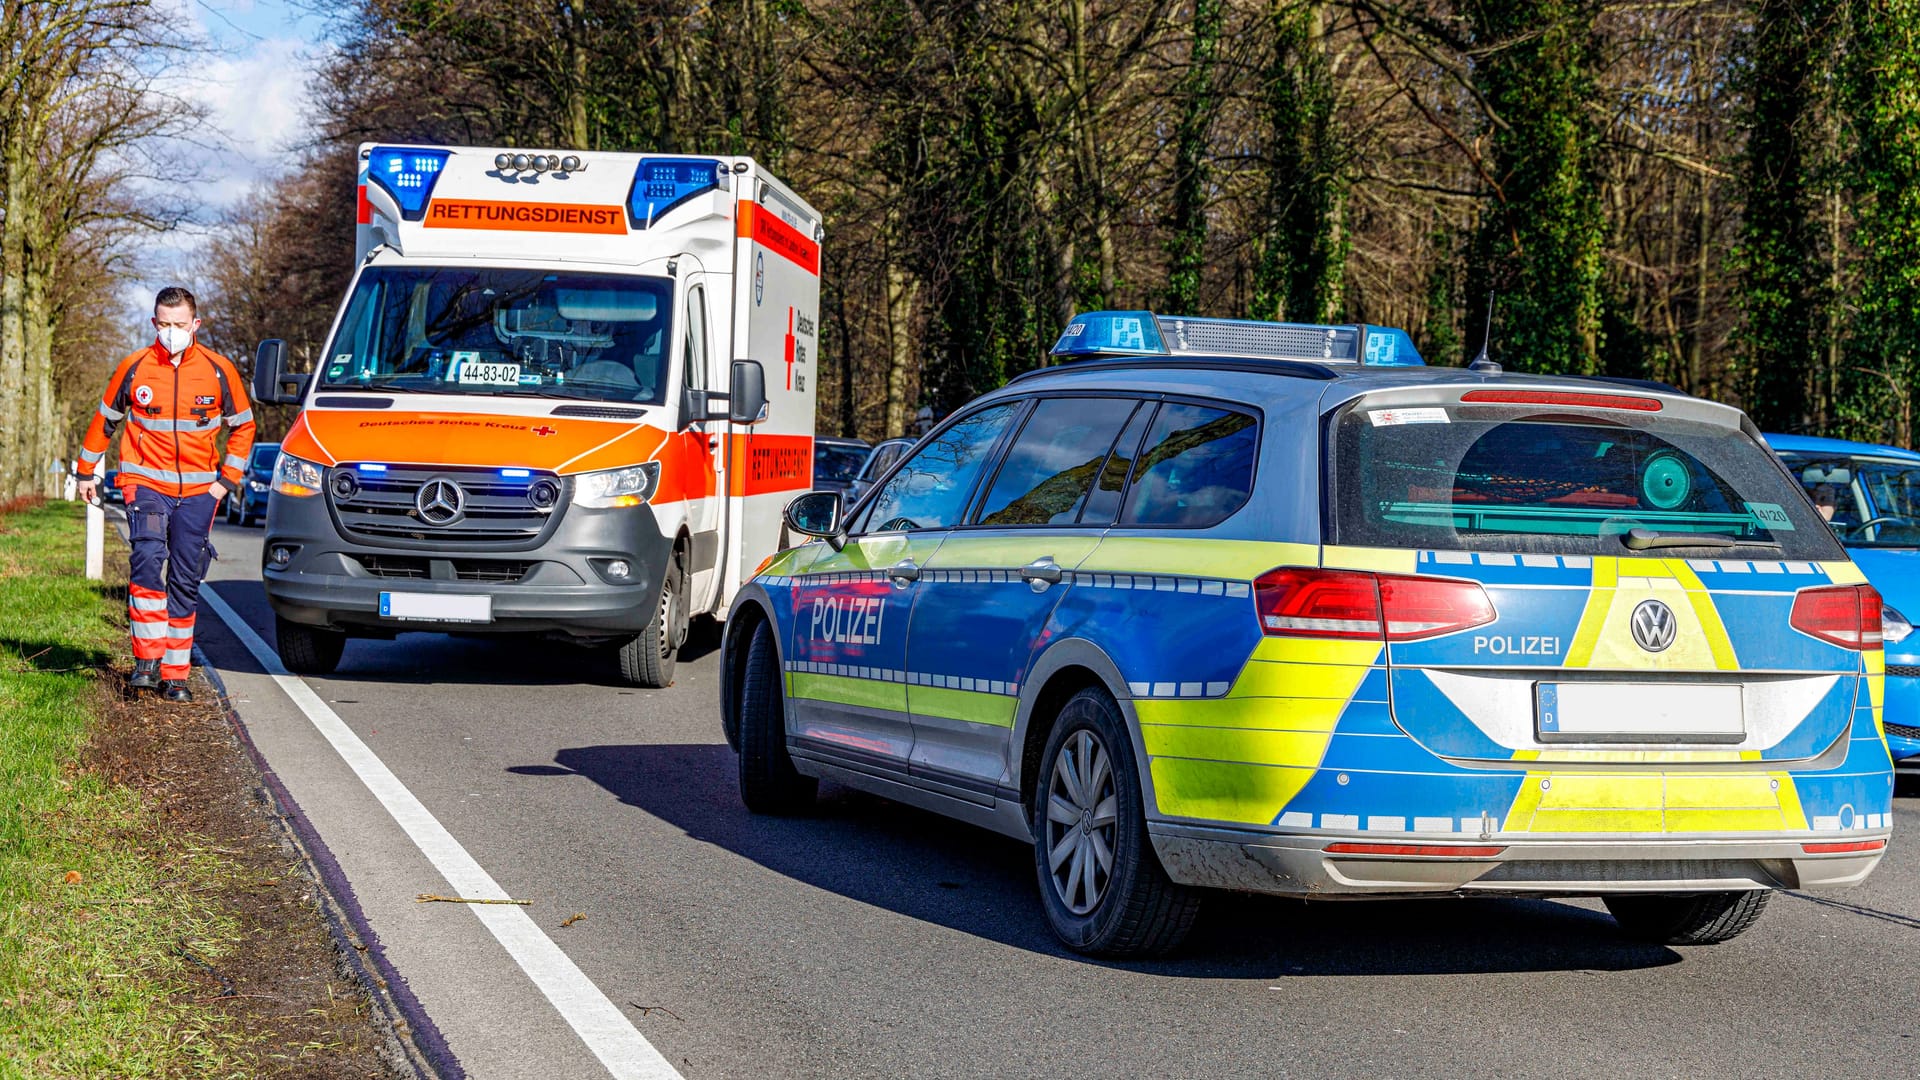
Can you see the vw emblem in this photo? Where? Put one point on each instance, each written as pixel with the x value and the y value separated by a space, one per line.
pixel 440 501
pixel 1654 626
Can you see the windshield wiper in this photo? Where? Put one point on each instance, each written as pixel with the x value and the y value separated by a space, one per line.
pixel 1642 539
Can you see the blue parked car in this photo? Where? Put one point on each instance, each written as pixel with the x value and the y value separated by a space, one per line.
pixel 1871 496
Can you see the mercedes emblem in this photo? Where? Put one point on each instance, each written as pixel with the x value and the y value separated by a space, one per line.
pixel 440 501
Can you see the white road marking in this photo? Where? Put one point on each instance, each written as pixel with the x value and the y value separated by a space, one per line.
pixel 606 1030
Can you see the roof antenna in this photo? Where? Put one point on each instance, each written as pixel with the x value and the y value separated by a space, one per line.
pixel 1484 364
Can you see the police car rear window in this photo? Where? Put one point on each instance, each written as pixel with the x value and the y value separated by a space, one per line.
pixel 1499 479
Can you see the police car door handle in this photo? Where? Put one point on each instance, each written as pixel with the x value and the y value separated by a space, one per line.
pixel 1041 573
pixel 904 570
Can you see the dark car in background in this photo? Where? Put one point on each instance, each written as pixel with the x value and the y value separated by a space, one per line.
pixel 837 461
pixel 882 457
pixel 110 487
pixel 249 504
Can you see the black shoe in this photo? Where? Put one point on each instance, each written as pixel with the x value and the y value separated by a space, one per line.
pixel 176 690
pixel 146 675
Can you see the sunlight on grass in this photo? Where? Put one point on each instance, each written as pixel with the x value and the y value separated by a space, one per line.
pixel 93 903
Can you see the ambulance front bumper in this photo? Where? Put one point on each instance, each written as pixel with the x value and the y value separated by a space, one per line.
pixel 1364 864
pixel 565 585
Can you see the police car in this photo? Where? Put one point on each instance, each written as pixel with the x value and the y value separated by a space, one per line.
pixel 1217 604
pixel 1870 496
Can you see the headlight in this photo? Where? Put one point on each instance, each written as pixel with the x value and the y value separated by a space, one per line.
pixel 296 477
pixel 1894 626
pixel 256 485
pixel 630 486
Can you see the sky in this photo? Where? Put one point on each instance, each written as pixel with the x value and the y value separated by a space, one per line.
pixel 252 80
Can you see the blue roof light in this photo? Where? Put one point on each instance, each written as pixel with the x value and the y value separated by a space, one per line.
pixel 408 175
pixel 660 184
pixel 1142 333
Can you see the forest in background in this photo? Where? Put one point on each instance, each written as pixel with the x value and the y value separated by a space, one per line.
pixel 1719 194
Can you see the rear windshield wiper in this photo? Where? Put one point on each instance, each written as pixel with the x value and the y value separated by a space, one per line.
pixel 1642 539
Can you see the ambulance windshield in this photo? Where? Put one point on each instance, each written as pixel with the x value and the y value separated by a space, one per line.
pixel 494 330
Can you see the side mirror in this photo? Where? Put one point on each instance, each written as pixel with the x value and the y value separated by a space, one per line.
pixel 747 397
pixel 817 513
pixel 271 383
pixel 693 406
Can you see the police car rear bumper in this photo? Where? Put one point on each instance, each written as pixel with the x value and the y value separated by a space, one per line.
pixel 1249 861
pixel 566 588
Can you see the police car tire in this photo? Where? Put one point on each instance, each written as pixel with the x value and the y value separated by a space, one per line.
pixel 1143 912
pixel 648 659
pixel 1688 918
pixel 308 650
pixel 769 784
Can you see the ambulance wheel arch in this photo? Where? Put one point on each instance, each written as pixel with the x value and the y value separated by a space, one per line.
pixel 1066 668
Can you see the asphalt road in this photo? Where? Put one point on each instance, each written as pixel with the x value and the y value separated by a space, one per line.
pixel 874 940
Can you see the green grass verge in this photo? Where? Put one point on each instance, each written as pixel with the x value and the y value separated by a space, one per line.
pixel 90 980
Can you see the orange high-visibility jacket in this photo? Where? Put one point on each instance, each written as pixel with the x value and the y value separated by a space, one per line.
pixel 173 413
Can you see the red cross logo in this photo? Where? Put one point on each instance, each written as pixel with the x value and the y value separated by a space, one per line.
pixel 544 430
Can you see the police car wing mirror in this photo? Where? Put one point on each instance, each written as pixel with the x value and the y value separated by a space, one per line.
pixel 817 513
pixel 747 396
pixel 272 383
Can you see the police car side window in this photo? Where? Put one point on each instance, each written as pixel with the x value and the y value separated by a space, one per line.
pixel 930 490
pixel 1195 469
pixel 1053 462
pixel 1103 503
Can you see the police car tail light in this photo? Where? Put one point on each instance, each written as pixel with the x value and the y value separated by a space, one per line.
pixel 1843 615
pixel 1419 607
pixel 1630 402
pixel 1303 601
pixel 1309 602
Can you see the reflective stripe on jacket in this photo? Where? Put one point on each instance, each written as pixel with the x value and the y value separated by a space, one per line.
pixel 173 415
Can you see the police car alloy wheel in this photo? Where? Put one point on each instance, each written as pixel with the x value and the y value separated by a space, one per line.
pixel 1101 884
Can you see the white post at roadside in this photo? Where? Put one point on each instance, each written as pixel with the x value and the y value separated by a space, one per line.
pixel 96 541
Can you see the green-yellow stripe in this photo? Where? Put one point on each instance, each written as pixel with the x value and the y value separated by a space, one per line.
pixel 968 705
pixel 871 693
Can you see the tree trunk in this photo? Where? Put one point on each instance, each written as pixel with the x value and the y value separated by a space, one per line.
pixel 902 290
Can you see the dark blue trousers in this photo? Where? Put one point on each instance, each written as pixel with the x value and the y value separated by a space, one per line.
pixel 171 550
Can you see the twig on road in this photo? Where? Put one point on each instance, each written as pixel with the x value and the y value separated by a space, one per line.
pixel 649 1010
pixel 430 898
pixel 571 919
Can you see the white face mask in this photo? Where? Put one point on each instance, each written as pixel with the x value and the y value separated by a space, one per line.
pixel 175 339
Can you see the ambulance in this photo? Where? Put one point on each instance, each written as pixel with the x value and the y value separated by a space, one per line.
pixel 568 393
pixel 1209 604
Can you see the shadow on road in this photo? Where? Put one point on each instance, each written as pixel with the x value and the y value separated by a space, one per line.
pixel 468 659
pixel 927 867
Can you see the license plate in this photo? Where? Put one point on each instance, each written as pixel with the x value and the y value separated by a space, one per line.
pixel 436 607
pixel 490 374
pixel 1640 712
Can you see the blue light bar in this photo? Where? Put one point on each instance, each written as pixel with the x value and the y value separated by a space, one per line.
pixel 516 474
pixel 1142 333
pixel 365 467
pixel 660 184
pixel 408 175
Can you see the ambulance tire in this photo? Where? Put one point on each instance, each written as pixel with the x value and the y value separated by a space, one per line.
pixel 1140 912
pixel 648 658
pixel 1688 918
pixel 308 650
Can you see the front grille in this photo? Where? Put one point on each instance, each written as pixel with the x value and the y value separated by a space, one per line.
pixel 396 566
pixel 378 507
pixel 420 568
pixel 490 569
pixel 1904 671
pixel 1903 731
